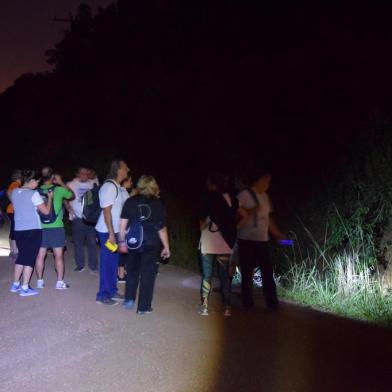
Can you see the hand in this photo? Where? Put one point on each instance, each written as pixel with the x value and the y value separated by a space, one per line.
pixel 112 238
pixel 165 254
pixel 122 248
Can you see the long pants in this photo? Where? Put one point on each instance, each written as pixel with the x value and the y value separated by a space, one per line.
pixel 108 264
pixel 207 265
pixel 141 271
pixel 254 254
pixel 83 234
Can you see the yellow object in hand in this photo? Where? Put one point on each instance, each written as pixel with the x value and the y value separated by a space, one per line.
pixel 112 247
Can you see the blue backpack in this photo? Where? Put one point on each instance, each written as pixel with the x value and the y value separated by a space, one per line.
pixel 135 234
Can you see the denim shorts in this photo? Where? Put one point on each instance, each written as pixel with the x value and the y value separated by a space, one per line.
pixel 53 238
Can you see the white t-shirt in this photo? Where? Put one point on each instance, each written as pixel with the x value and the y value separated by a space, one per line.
pixel 25 202
pixel 256 228
pixel 212 242
pixel 111 195
pixel 79 189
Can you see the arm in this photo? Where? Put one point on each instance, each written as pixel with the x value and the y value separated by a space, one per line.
pixel 243 217
pixel 59 181
pixel 122 246
pixel 45 208
pixel 107 215
pixel 163 235
pixel 274 230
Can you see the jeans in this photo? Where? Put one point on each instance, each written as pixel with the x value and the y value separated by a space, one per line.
pixel 83 234
pixel 141 270
pixel 107 269
pixel 207 264
pixel 254 254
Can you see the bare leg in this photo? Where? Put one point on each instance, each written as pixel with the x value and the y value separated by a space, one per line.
pixel 18 272
pixel 27 271
pixel 121 272
pixel 59 262
pixel 40 263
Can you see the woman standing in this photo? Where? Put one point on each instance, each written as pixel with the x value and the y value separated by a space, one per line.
pixel 141 264
pixel 28 234
pixel 218 234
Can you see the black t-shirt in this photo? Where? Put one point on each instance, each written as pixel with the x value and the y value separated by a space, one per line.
pixel 153 216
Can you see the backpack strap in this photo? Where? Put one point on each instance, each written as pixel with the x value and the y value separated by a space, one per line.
pixel 112 182
pixel 256 200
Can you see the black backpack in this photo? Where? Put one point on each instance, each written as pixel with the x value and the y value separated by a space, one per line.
pixel 52 216
pixel 91 209
pixel 4 200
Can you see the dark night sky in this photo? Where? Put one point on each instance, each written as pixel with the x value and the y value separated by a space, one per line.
pixel 27 30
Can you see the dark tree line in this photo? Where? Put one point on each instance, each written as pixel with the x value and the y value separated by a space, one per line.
pixel 178 87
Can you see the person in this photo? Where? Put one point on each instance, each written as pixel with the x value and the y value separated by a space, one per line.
pixel 218 234
pixel 92 176
pixel 126 186
pixel 142 264
pixel 16 182
pixel 111 199
pixel 82 233
pixel 53 234
pixel 253 240
pixel 28 234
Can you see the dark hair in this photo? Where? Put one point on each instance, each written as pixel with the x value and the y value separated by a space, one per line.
pixel 114 168
pixel 27 175
pixel 47 173
pixel 256 174
pixel 219 180
pixel 16 175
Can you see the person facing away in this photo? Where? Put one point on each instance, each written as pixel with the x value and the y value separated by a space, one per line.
pixel 253 240
pixel 111 199
pixel 16 182
pixel 82 233
pixel 142 264
pixel 218 217
pixel 28 233
pixel 53 234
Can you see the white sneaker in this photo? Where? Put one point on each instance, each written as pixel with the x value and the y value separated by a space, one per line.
pixel 40 284
pixel 61 285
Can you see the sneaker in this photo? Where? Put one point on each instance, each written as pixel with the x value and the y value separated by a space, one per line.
pixel 203 311
pixel 79 269
pixel 15 288
pixel 227 312
pixel 40 284
pixel 61 285
pixel 142 312
pixel 28 292
pixel 106 301
pixel 120 280
pixel 118 297
pixel 128 304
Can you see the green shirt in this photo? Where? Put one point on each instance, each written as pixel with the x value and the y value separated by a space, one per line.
pixel 60 194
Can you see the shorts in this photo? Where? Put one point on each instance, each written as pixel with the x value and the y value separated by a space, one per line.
pixel 53 238
pixel 28 243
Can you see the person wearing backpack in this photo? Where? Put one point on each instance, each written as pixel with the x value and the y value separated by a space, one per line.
pixel 28 233
pixel 144 238
pixel 218 217
pixel 53 233
pixel 253 240
pixel 82 233
pixel 16 182
pixel 111 200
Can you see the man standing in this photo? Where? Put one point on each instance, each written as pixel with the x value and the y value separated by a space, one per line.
pixel 111 200
pixel 253 240
pixel 82 233
pixel 53 234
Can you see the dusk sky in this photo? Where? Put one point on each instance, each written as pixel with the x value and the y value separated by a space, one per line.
pixel 28 29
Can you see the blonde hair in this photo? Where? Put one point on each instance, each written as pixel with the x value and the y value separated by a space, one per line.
pixel 147 186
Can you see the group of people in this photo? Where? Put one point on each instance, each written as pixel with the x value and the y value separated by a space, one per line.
pixel 38 201
pixel 237 228
pixel 232 226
